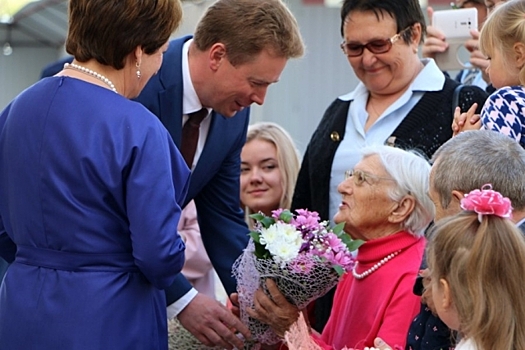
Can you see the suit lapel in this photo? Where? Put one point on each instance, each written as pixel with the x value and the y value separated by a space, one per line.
pixel 171 112
pixel 170 99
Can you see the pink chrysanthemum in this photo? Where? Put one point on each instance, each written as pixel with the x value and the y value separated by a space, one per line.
pixel 301 264
pixel 276 213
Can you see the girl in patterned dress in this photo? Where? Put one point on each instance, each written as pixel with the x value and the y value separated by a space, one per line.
pixel 502 40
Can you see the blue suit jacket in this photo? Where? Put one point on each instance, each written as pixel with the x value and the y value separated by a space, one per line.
pixel 214 183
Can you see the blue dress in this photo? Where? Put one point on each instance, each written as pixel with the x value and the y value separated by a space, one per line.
pixel 90 192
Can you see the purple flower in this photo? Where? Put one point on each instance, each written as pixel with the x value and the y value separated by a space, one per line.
pixel 305 247
pixel 318 245
pixel 306 220
pixel 308 236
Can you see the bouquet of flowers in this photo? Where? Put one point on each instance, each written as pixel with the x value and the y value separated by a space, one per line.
pixel 303 255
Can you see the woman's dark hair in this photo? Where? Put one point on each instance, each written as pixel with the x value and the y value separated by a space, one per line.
pixel 108 30
pixel 405 12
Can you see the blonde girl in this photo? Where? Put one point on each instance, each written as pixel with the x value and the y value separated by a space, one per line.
pixel 502 41
pixel 476 259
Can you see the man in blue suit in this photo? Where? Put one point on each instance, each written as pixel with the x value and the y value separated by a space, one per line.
pixel 240 47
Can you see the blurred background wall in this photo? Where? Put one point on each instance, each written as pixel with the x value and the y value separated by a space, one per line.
pixel 33 37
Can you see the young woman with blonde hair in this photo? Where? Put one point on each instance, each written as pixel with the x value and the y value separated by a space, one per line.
pixel 269 168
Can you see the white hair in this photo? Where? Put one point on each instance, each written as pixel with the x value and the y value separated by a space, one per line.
pixel 410 170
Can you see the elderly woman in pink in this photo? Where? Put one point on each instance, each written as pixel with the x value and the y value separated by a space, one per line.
pixel 385 203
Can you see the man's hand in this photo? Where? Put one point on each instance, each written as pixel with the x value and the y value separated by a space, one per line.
pixel 212 323
pixel 276 312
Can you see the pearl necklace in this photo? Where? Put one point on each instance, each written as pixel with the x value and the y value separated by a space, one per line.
pixel 92 73
pixel 383 261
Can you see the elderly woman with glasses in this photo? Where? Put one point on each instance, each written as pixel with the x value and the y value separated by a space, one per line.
pixel 383 202
pixel 401 100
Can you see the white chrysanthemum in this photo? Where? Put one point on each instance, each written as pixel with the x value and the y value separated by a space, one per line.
pixel 285 253
pixel 282 240
pixel 288 233
pixel 268 235
pixel 278 231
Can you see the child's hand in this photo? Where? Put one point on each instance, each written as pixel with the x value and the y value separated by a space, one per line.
pixel 466 121
pixel 379 344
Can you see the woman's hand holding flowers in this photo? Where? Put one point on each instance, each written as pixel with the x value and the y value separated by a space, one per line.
pixel 276 311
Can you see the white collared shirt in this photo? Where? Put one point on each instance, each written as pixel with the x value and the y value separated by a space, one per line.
pixel 191 103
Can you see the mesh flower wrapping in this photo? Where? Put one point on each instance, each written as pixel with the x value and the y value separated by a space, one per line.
pixel 304 256
pixel 180 338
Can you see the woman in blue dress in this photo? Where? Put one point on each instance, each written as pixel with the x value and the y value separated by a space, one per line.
pixel 90 190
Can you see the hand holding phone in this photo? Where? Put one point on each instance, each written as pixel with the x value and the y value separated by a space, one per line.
pixel 456 25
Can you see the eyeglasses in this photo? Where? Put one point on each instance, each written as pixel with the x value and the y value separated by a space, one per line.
pixel 360 177
pixel 375 46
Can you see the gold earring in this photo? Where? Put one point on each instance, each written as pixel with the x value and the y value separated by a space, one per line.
pixel 137 64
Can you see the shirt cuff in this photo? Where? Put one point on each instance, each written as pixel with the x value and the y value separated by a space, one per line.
pixel 174 309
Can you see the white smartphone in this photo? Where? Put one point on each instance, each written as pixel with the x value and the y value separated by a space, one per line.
pixel 456 25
